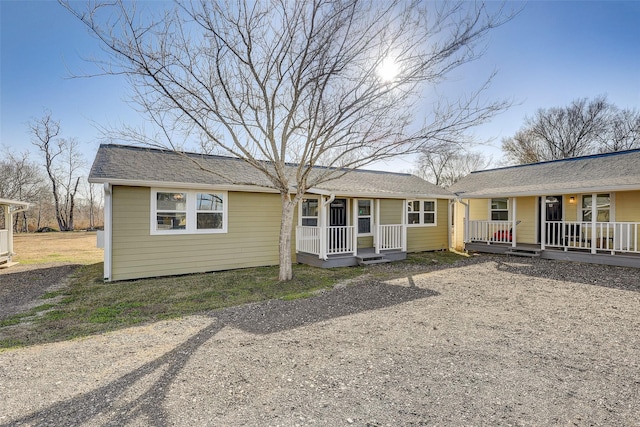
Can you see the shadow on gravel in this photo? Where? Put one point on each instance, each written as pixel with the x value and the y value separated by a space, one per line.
pixel 622 278
pixel 21 288
pixel 261 318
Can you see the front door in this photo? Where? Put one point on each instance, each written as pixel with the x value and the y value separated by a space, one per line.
pixel 553 214
pixel 337 218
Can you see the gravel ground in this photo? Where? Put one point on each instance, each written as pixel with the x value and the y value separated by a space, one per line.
pixel 497 341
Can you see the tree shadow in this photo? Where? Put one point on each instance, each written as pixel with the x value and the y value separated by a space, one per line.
pixel 260 318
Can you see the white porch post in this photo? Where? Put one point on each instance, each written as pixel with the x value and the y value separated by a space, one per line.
pixel 465 232
pixel 404 226
pixel 513 224
pixel 354 222
pixel 594 217
pixel 322 219
pixel 376 230
pixel 9 224
pixel 543 221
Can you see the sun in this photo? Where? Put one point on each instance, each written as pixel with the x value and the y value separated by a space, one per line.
pixel 388 69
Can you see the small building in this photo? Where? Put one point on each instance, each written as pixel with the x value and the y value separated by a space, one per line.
pixel 169 213
pixel 7 209
pixel 579 209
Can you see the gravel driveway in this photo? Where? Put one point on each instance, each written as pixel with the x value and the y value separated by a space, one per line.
pixel 499 341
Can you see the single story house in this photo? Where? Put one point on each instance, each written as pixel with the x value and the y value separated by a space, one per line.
pixel 579 209
pixel 7 209
pixel 169 213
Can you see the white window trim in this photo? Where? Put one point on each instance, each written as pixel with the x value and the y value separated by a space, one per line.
pixel 422 212
pixel 370 216
pixel 500 210
pixel 191 226
pixel 612 205
pixel 300 217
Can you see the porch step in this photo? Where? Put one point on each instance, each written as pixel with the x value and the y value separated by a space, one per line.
pixel 369 259
pixel 524 252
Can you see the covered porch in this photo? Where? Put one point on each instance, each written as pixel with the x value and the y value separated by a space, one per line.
pixel 7 209
pixel 342 232
pixel 594 241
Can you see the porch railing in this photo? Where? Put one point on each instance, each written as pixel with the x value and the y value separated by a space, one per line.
pixel 308 239
pixel 389 237
pixel 610 236
pixel 621 237
pixel 489 231
pixel 340 240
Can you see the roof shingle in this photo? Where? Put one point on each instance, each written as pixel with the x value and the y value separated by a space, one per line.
pixel 122 164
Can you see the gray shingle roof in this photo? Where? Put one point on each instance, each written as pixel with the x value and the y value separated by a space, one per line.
pixel 601 172
pixel 130 165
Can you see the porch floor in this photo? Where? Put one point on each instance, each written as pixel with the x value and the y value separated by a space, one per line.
pixel 347 260
pixel 577 255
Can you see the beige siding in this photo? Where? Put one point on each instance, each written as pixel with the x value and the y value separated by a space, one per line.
pixel 391 211
pixel 627 206
pixel 526 231
pixel 365 242
pixel 251 240
pixel 479 209
pixel 430 238
pixel 570 209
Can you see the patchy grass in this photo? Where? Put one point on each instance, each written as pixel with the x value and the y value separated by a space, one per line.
pixel 88 305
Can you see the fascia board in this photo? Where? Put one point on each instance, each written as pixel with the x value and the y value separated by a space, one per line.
pixel 185 185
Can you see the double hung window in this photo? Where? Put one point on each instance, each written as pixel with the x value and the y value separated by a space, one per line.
pixel 309 212
pixel 500 209
pixel 364 216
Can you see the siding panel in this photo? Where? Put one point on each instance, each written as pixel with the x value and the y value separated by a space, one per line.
pixel 251 240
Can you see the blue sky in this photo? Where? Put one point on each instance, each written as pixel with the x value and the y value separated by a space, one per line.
pixel 552 53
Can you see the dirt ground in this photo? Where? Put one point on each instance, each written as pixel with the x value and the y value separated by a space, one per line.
pixel 499 341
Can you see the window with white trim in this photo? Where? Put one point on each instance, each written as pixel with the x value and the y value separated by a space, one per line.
pixel 603 207
pixel 500 209
pixel 364 216
pixel 188 212
pixel 309 212
pixel 421 212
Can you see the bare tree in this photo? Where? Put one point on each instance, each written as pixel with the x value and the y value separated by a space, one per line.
pixel 63 163
pixel 337 83
pixel 584 127
pixel 446 166
pixel 623 131
pixel 21 179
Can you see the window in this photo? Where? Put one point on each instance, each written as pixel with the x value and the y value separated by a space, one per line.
pixel 187 212
pixel 500 209
pixel 209 211
pixel 421 212
pixel 309 212
pixel 364 216
pixel 603 207
pixel 171 211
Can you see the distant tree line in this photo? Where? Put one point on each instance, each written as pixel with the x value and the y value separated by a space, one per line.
pixel 60 197
pixel 583 127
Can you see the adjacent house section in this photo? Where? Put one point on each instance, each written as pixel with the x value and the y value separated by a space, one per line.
pixel 580 209
pixel 169 213
pixel 8 208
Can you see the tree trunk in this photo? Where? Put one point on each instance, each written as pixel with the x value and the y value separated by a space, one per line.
pixel 286 223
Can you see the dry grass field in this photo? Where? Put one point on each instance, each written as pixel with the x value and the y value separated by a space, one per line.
pixel 77 247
